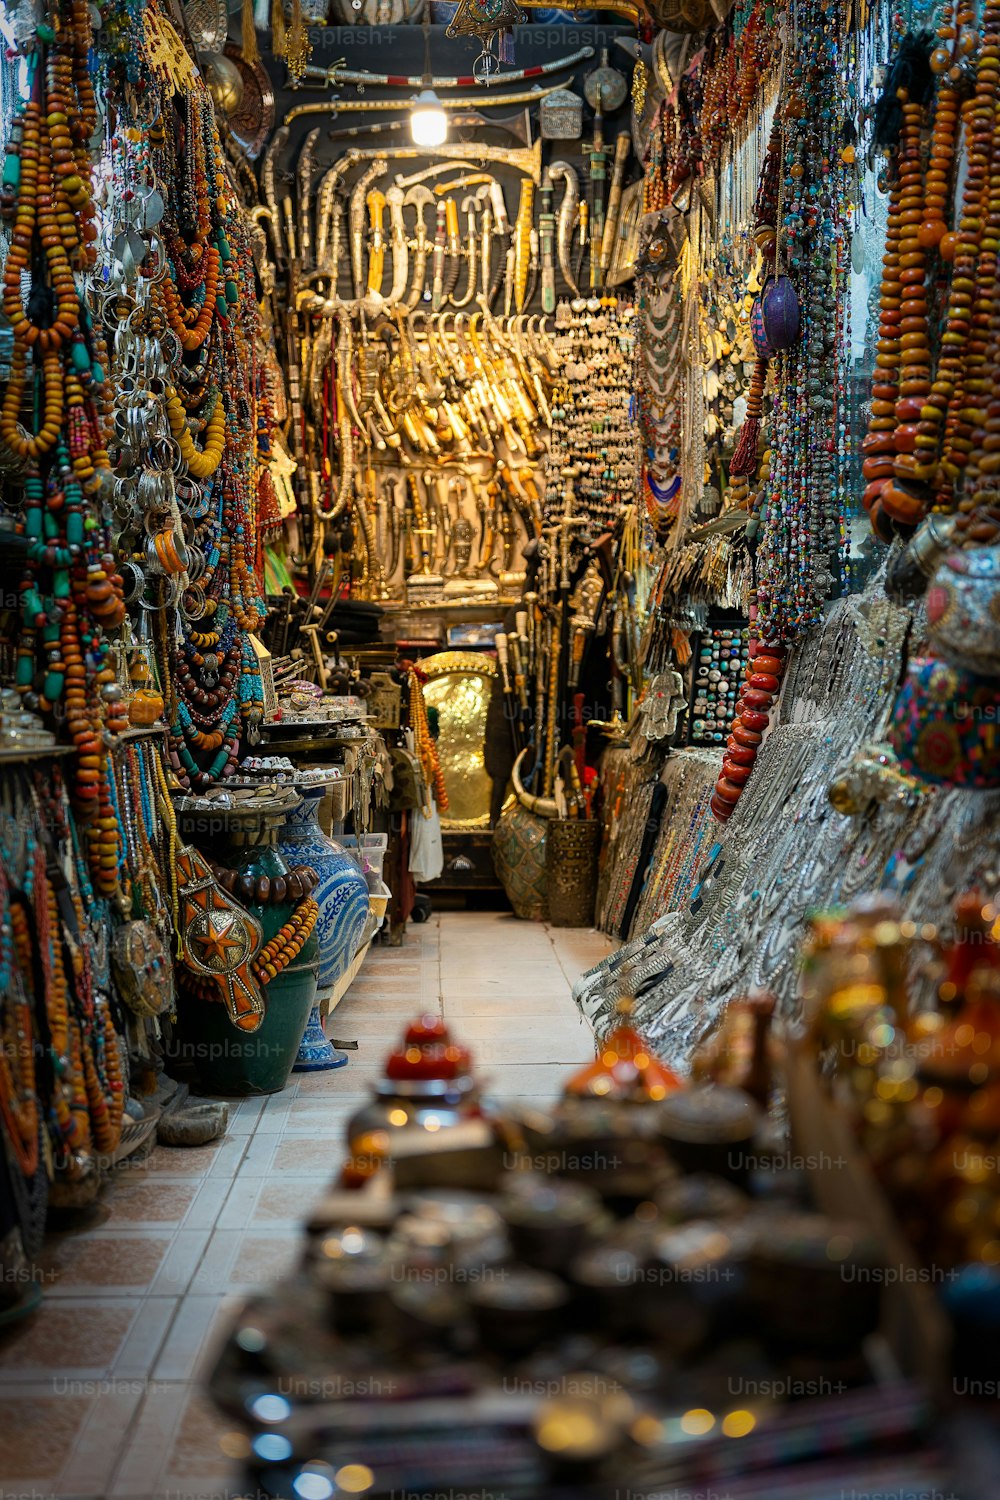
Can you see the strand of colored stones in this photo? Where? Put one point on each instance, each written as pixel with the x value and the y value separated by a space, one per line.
pixel 70 592
pixel 977 522
pixel 974 284
pixel 952 407
pixel 743 464
pixel 287 943
pixel 212 674
pixel 802 526
pixel 424 741
pixel 18 1096
pixel 944 64
pixel 757 694
pixel 903 266
pixel 266 890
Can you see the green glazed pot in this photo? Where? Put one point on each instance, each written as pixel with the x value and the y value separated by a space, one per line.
pixel 224 1059
pixel 228 1061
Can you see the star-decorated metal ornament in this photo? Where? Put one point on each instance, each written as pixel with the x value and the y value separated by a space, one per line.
pixel 488 19
pixel 220 939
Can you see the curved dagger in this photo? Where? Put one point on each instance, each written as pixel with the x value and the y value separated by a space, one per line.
pixel 471 179
pixel 376 248
pixel 305 172
pixel 268 188
pixel 522 241
pixel 336 239
pixel 325 199
pixel 321 354
pixel 623 146
pixel 356 220
pixel 469 206
pixel 546 238
pixel 454 246
pixel 345 411
pixel 567 219
pixel 420 196
pixel 328 189
pixel 440 241
pixel 502 230
pixel 400 254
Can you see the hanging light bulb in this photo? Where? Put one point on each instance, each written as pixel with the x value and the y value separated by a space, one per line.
pixel 428 121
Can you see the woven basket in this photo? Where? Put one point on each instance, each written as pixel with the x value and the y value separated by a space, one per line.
pixel 571 851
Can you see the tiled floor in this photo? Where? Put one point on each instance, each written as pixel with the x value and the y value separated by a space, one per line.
pixel 99 1391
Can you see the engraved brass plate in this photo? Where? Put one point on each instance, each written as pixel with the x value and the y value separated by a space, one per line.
pixel 459 687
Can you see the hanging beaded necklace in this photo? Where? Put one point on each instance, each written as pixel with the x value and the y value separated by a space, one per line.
pixel 211 677
pixel 802 521
pixel 55 415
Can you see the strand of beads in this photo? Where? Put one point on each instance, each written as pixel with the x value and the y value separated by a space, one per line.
pixel 424 741
pixel 288 942
pixel 953 406
pixel 903 498
pixel 757 694
pixel 802 513
pixel 47 979
pixel 18 1097
pixel 879 446
pixel 209 671
pixel 54 413
pixel 201 464
pixel 802 535
pixel 105 1095
pixel 941 164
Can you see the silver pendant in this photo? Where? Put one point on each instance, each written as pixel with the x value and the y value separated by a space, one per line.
pixel 605 88
pixel 560 116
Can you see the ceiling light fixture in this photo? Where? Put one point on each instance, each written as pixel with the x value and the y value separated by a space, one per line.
pixel 428 121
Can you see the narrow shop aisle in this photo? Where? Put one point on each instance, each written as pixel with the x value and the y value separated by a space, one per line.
pixel 99 1391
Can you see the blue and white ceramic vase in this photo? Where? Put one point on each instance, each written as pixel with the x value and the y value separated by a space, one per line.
pixel 342 896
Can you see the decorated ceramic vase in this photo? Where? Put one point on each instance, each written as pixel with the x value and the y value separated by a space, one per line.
pixel 255 884
pixel 342 894
pixel 963 610
pixel 519 858
pixel 945 725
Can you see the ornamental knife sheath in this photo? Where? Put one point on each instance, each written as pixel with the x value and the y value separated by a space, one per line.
pixel 469 209
pixel 546 241
pixel 400 253
pixel 376 248
pixel 305 173
pixel 499 208
pixel 420 197
pixel 440 240
pixel 454 246
pixel 522 241
pixel 598 173
pixel 623 145
pixel 357 221
pixel 567 219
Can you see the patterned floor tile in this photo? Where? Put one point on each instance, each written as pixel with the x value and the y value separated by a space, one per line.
pixel 99 1391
